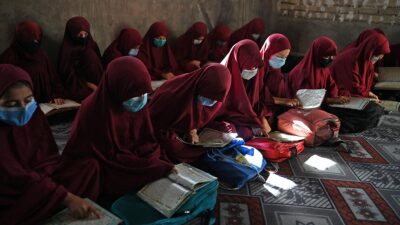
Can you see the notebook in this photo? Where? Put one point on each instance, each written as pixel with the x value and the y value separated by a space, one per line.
pixel 212 138
pixel 355 103
pixel 65 218
pixel 310 98
pixel 51 108
pixel 168 194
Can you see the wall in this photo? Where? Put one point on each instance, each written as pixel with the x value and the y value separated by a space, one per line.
pixel 341 20
pixel 107 17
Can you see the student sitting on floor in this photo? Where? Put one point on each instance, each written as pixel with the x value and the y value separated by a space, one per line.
pixel 253 30
pixel 26 53
pixel 156 54
pixel 33 183
pixel 79 61
pixel 191 48
pixel 185 105
pixel 274 93
pixel 218 43
pixel 353 72
pixel 113 126
pixel 127 43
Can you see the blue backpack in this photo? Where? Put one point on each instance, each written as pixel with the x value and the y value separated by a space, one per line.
pixel 234 164
pixel 132 210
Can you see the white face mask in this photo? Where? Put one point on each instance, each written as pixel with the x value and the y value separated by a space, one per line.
pixel 197 41
pixel 255 36
pixel 248 74
pixel 133 52
pixel 374 59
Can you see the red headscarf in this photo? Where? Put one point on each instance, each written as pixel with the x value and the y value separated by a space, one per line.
pixel 353 70
pixel 217 52
pixel 123 141
pixel 274 81
pixel 79 64
pixel 255 26
pixel 127 39
pixel 362 37
pixel 174 105
pixel 309 74
pixel 44 77
pixel 243 95
pixel 157 60
pixel 29 156
pixel 185 51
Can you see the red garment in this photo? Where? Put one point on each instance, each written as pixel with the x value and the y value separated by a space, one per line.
pixel 185 51
pixel 127 39
pixel 274 83
pixel 175 109
pixel 217 42
pixel 393 58
pixel 255 26
pixel 241 106
pixel 44 77
pixel 29 167
pixel 157 60
pixel 78 64
pixel 309 74
pixel 353 70
pixel 362 37
pixel 123 142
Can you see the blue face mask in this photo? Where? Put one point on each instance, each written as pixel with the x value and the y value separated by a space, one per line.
pixel 206 101
pixel 276 62
pixel 18 116
pixel 135 104
pixel 133 52
pixel 159 42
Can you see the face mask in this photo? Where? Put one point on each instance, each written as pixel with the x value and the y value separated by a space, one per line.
pixel 18 116
pixel 221 43
pixel 325 62
pixel 206 101
pixel 32 47
pixel 248 74
pixel 197 41
pixel 133 52
pixel 276 62
pixel 159 42
pixel 255 36
pixel 82 41
pixel 135 104
pixel 375 59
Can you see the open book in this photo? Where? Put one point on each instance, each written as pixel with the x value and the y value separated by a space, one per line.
pixel 157 83
pixel 65 218
pixel 212 138
pixel 51 108
pixel 283 137
pixel 168 194
pixel 357 103
pixel 310 98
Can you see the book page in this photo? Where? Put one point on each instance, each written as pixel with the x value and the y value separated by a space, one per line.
pixel 164 195
pixel 157 83
pixel 355 103
pixel 190 177
pixel 45 108
pixel 67 104
pixel 212 138
pixel 310 98
pixel 65 218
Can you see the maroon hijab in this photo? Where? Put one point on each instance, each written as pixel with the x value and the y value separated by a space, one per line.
pixel 353 70
pixel 185 51
pixel 28 156
pixel 309 74
pixel 362 37
pixel 127 39
pixel 274 81
pixel 243 95
pixel 157 60
pixel 123 142
pixel 78 64
pixel 174 105
pixel 44 77
pixel 217 42
pixel 256 25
